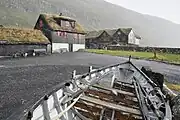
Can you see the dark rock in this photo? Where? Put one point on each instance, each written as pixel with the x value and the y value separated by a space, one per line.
pixel 175 106
pixel 157 78
pixel 175 100
pixel 145 69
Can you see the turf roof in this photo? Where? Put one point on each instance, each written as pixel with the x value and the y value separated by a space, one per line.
pixel 94 34
pixel 50 19
pixel 18 35
pixel 111 32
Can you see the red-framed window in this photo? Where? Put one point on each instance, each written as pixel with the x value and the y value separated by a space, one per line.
pixel 62 34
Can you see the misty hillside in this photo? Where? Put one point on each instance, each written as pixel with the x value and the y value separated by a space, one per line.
pixel 92 14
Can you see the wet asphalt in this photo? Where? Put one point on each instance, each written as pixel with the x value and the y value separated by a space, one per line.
pixel 25 80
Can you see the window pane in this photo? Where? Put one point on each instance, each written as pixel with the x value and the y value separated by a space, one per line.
pixel 67 24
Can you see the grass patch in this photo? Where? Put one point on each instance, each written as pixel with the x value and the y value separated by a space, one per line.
pixel 172 58
pixel 175 87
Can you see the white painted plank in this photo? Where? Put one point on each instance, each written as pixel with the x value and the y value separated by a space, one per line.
pixel 59 93
pixel 50 102
pixel 38 113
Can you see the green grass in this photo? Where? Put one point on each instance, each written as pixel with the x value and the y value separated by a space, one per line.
pixel 172 58
pixel 175 87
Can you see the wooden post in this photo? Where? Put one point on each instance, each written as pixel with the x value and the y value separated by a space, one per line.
pixel 155 54
pixel 73 74
pixel 45 108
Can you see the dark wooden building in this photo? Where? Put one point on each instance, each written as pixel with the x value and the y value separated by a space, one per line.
pixel 19 41
pixel 98 39
pixel 63 32
pixel 108 37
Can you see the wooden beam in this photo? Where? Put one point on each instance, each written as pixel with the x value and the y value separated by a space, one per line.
pixel 124 84
pixel 124 87
pixel 109 97
pixel 111 105
pixel 112 89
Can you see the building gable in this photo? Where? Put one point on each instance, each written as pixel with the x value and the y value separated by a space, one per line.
pixel 131 39
pixel 119 37
pixel 118 33
pixel 94 34
pixel 104 34
pixel 111 32
pixel 126 31
pixel 58 23
pixel 104 38
pixel 41 24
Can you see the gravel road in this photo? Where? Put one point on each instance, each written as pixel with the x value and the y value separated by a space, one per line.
pixel 24 81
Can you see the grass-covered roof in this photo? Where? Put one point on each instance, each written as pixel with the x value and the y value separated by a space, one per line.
pixel 94 34
pixel 50 19
pixel 126 31
pixel 111 32
pixel 17 35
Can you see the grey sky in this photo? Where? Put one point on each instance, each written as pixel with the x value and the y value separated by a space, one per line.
pixel 168 9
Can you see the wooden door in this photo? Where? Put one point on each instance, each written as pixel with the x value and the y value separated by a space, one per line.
pixel 70 47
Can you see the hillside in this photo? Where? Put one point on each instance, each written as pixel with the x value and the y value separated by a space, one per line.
pixel 13 17
pixel 93 14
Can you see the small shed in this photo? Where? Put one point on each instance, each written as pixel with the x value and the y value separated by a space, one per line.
pixel 19 41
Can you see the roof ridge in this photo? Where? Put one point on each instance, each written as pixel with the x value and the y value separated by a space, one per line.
pixel 111 32
pixel 17 28
pixel 56 15
pixel 51 20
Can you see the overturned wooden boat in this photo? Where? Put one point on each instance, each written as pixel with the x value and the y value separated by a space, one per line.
pixel 116 92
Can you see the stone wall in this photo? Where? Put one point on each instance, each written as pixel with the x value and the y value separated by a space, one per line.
pixel 145 49
pixel 8 50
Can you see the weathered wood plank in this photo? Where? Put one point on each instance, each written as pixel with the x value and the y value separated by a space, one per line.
pixel 125 84
pixel 116 90
pixel 111 105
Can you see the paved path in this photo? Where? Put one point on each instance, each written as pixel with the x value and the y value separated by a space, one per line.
pixel 24 81
pixel 171 71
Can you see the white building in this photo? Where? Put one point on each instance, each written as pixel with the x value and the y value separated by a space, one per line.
pixel 133 38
